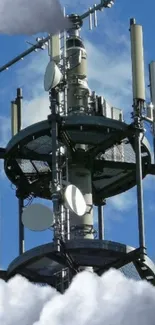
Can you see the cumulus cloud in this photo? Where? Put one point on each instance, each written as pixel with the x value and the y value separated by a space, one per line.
pixel 35 17
pixel 24 304
pixel 35 99
pixel 109 70
pixel 4 130
pixel 111 299
pixel 35 110
pixel 77 6
pixel 123 202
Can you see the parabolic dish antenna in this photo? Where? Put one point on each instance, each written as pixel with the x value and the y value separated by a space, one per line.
pixel 52 76
pixel 37 217
pixel 74 200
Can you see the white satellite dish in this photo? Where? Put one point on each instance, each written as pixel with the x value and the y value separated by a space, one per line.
pixel 52 76
pixel 74 200
pixel 37 217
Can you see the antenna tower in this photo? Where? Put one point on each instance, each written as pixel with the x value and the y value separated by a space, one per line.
pixel 82 154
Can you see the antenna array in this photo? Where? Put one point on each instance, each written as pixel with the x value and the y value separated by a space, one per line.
pixel 43 42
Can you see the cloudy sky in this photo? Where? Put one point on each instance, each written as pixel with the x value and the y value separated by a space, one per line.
pixel 109 73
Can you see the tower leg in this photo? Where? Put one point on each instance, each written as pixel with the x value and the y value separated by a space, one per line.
pixel 100 222
pixel 140 203
pixel 21 227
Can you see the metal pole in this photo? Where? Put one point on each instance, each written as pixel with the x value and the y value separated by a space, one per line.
pixel 100 222
pixel 20 200
pixel 153 129
pixel 138 86
pixel 154 147
pixel 140 192
pixel 66 113
pixel 67 210
pixel 21 227
pixel 33 48
pixel 55 175
pixel 19 105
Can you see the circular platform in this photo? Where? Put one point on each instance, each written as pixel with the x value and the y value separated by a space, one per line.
pixel 44 263
pixel 110 155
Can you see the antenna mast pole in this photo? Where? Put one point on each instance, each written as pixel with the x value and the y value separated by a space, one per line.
pixel 20 199
pixel 16 108
pixel 138 83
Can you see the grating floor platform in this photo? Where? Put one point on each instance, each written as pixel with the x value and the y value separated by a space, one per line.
pixel 109 154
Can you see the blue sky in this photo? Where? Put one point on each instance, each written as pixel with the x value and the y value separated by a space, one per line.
pixel 109 73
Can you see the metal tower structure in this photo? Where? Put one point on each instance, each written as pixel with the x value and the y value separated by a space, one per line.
pixel 85 145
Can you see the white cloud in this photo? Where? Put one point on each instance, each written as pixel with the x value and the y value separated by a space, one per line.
pixel 109 63
pixel 46 16
pixel 5 128
pixel 126 201
pixel 90 300
pixel 77 5
pixel 110 74
pixel 123 202
pixel 35 110
pixel 149 182
pixel 31 79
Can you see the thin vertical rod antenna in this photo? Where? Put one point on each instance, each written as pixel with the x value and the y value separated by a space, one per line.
pixel 95 16
pixel 20 200
pixel 90 20
pixel 100 223
pixel 19 104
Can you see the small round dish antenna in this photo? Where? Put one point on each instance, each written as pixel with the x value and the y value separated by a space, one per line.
pixel 37 217
pixel 52 76
pixel 74 200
